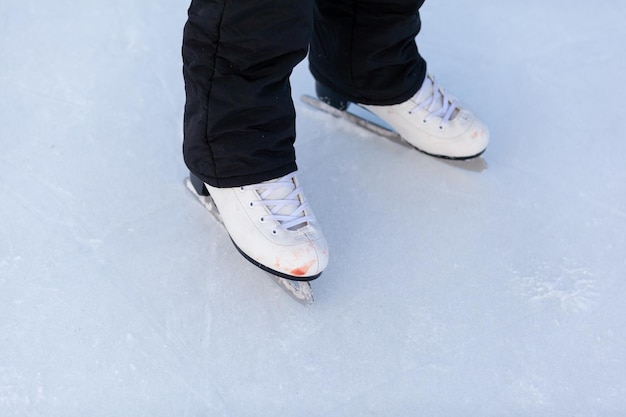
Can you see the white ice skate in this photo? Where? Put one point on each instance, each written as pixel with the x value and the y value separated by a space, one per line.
pixel 272 226
pixel 431 121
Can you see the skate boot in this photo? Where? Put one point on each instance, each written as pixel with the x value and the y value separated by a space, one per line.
pixel 272 226
pixel 431 121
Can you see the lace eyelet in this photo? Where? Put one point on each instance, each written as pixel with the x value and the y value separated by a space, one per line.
pixel 424 121
pixel 441 127
pixel 274 232
pixel 262 219
pixel 251 204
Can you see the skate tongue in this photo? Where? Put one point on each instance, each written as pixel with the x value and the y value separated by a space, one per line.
pixel 425 92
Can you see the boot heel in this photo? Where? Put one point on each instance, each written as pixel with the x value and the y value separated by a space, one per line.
pixel 331 97
pixel 198 185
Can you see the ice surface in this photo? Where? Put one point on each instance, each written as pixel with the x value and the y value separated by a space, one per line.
pixel 451 291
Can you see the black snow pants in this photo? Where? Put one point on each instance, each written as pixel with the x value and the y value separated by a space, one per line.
pixel 239 123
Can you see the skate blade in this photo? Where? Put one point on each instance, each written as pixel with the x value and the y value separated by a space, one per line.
pixel 206 201
pixel 471 163
pixel 357 120
pixel 300 291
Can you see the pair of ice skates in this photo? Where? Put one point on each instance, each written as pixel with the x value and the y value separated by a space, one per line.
pixel 272 224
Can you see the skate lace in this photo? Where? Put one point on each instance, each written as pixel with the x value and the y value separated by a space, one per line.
pixel 436 102
pixel 284 201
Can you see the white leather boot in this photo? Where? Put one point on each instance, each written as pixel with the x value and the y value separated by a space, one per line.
pixel 272 226
pixel 435 123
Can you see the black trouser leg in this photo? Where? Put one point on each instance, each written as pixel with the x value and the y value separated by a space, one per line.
pixel 365 49
pixel 239 117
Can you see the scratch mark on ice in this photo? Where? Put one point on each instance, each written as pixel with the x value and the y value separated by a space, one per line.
pixel 565 284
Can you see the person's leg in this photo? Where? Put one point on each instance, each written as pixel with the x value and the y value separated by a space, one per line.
pixel 365 49
pixel 239 117
pixel 240 128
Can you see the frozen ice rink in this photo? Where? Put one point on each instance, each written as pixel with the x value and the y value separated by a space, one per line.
pixel 494 287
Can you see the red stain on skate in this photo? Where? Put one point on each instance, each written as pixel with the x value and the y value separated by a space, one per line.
pixel 476 134
pixel 301 271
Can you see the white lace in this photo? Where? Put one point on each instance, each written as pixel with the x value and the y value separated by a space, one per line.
pixel 436 102
pixel 283 201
